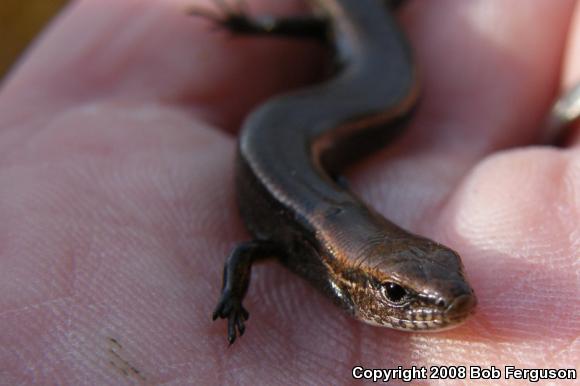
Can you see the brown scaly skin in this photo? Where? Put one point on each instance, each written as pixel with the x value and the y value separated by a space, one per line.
pixel 291 146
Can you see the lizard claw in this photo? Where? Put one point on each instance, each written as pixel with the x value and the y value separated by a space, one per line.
pixel 222 15
pixel 233 18
pixel 230 308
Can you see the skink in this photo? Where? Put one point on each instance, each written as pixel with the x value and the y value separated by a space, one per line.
pixel 292 148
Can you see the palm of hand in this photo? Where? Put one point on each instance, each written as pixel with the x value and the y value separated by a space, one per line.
pixel 117 200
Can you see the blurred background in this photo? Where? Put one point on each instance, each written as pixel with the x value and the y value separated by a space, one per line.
pixel 20 22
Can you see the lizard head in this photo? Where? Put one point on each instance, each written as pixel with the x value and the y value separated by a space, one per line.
pixel 407 284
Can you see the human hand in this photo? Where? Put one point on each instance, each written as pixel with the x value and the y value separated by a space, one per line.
pixel 116 199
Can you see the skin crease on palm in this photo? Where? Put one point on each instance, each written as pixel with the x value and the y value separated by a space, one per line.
pixel 117 138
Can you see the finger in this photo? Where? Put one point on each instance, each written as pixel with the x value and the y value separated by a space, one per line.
pixel 571 71
pixel 489 78
pixel 489 72
pixel 147 49
pixel 516 218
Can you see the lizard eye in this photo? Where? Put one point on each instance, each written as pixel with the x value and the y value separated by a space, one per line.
pixel 393 292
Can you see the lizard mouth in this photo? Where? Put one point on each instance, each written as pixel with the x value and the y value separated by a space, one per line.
pixel 429 319
pixel 461 307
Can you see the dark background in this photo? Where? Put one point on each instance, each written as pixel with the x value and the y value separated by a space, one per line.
pixel 20 22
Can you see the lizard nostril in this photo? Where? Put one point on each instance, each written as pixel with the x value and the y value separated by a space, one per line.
pixel 461 306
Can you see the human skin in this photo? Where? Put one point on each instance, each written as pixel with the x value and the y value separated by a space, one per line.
pixel 117 141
